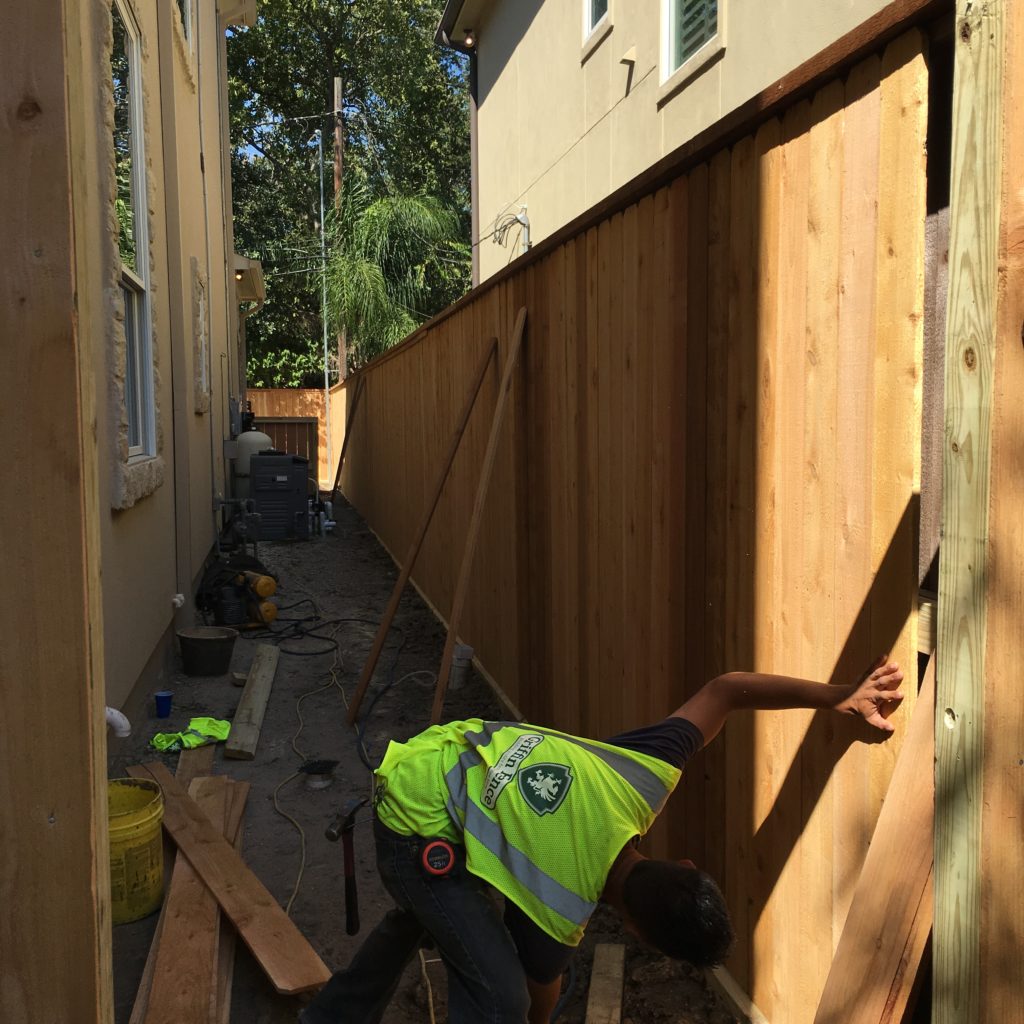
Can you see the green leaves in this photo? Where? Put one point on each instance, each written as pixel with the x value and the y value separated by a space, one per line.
pixel 406 166
pixel 378 285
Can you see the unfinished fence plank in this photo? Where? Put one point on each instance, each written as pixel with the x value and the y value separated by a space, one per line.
pixel 604 1003
pixel 184 976
pixel 478 508
pixel 880 949
pixel 279 947
pixel 349 420
pixel 414 548
pixel 245 727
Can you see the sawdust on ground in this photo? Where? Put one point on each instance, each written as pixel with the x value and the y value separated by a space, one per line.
pixel 346 578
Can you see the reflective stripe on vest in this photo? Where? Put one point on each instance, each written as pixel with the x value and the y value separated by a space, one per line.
pixel 618 794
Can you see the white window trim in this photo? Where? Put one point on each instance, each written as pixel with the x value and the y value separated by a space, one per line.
pixel 594 35
pixel 138 280
pixel 137 470
pixel 672 81
pixel 185 36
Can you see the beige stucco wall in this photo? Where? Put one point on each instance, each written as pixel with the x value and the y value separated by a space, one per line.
pixel 558 128
pixel 155 539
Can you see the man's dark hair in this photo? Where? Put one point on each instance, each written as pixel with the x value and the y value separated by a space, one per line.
pixel 680 911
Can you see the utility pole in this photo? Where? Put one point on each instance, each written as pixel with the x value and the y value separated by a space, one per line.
pixel 339 166
pixel 323 306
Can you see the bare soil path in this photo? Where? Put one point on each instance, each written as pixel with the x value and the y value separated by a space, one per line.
pixel 344 580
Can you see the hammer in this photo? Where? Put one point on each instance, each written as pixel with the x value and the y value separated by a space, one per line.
pixel 342 827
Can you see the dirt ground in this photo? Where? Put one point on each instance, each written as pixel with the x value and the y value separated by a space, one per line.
pixel 337 586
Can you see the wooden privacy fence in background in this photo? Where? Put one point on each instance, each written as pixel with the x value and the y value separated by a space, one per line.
pixel 278 413
pixel 712 461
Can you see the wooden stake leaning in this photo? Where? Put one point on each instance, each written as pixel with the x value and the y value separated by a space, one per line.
pixel 414 548
pixel 474 524
pixel 349 420
pixel 872 977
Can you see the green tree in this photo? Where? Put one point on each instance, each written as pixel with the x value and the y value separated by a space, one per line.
pixel 406 138
pixel 384 253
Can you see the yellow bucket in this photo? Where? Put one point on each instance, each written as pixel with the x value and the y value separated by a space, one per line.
pixel 136 809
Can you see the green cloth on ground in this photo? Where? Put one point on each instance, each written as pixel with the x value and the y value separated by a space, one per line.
pixel 200 731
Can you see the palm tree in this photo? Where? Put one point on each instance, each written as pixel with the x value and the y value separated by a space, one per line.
pixel 384 252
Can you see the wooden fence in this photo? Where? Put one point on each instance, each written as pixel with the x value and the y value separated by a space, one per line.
pixel 712 462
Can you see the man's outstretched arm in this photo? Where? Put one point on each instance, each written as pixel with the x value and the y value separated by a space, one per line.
pixel 871 698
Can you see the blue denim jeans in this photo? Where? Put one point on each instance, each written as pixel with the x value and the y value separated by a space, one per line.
pixel 486 983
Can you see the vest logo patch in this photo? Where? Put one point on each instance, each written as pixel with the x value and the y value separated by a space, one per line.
pixel 545 786
pixel 503 771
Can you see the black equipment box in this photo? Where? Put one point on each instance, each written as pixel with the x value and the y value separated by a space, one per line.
pixel 278 485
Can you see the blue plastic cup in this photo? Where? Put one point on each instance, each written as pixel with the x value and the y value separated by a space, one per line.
pixel 163 703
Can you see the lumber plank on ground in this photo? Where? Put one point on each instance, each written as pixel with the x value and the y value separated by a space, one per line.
pixel 245 727
pixel 278 946
pixel 192 763
pixel 184 975
pixel 237 794
pixel 228 937
pixel 880 949
pixel 604 1002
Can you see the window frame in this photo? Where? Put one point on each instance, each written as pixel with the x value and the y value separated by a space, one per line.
pixel 713 49
pixel 136 285
pixel 594 32
pixel 184 19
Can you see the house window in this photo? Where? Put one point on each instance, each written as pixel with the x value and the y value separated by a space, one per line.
pixel 691 24
pixel 593 12
pixel 132 237
pixel 185 10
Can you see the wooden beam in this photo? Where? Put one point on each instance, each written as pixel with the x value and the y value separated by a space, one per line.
pixel 734 997
pixel 478 510
pixel 56 949
pixel 191 764
pixel 228 935
pixel 979 864
pixel 604 1002
pixel 245 726
pixel 280 949
pixel 414 548
pixel 976 168
pixel 879 953
pixel 184 986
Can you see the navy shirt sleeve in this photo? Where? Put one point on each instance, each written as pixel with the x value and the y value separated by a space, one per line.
pixel 674 740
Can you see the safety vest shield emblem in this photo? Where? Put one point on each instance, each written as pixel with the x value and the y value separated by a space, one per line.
pixel 545 786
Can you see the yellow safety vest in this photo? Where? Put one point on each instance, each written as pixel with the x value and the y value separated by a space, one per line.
pixel 542 814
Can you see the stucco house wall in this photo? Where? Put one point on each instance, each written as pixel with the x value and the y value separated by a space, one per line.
pixel 565 117
pixel 158 521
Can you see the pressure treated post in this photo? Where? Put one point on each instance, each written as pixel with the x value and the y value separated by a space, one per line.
pixel 55 959
pixel 979 865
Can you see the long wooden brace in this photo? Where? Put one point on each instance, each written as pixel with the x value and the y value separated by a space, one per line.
pixel 462 584
pixel 414 548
